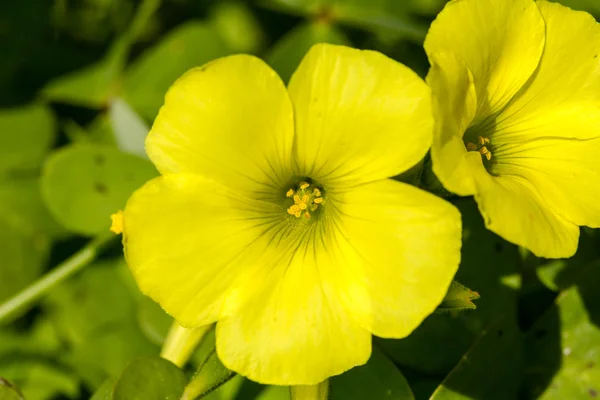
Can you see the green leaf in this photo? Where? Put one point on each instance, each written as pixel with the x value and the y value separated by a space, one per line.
pixel 22 206
pixel 150 379
pixel 22 256
pixel 105 391
pixel 491 369
pixel 286 54
pixel 94 313
pixel 39 380
pixel 274 393
pixel 384 16
pixel 441 340
pixel 92 86
pixel 84 185
pixel 237 25
pixel 458 298
pixel 379 16
pixel 9 392
pixel 41 339
pixel 211 375
pixel 377 379
pixel 563 346
pixel 129 129
pixel 591 6
pixel 153 320
pixel 26 136
pixel 148 78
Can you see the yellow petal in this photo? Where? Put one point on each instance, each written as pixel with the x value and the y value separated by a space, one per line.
pixel 501 42
pixel 188 239
pixel 563 97
pixel 512 208
pixel 398 248
pixel 359 116
pixel 566 174
pixel 454 107
pixel 294 331
pixel 230 120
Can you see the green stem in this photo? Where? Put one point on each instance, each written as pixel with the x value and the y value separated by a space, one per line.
pixel 181 342
pixel 29 295
pixel 310 392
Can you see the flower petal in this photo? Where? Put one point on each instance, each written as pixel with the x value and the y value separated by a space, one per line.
pixel 294 332
pixel 398 248
pixel 500 41
pixel 512 208
pixel 360 116
pixel 188 240
pixel 566 174
pixel 230 120
pixel 454 107
pixel 563 97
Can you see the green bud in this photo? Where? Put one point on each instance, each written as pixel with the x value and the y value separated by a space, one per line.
pixel 458 298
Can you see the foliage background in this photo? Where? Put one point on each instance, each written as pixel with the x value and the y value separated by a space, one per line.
pixel 80 82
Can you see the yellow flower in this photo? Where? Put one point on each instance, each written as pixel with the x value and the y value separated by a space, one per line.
pixel 516 87
pixel 274 215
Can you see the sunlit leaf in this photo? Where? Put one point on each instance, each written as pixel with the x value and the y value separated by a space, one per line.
pixel 83 185
pixel 150 379
pixel 563 346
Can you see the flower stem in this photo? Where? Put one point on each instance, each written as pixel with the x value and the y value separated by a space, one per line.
pixel 33 292
pixel 312 392
pixel 181 342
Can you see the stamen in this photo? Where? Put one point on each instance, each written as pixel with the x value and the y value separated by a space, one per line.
pixel 306 200
pixel 480 147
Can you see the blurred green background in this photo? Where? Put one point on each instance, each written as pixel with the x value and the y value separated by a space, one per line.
pixel 81 82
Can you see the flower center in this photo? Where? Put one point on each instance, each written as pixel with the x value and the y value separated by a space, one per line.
pixel 481 147
pixel 307 198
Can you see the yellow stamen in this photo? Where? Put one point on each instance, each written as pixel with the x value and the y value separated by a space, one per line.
pixel 480 147
pixel 306 200
pixel 117 222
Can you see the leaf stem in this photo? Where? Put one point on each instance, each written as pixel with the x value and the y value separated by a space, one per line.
pixel 33 292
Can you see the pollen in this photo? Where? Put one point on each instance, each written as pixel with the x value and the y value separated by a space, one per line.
pixel 481 147
pixel 307 199
pixel 117 222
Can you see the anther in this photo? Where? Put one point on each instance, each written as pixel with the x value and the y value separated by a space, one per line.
pixel 480 147
pixel 306 200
